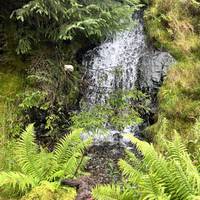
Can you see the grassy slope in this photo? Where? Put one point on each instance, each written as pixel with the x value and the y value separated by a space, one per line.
pixel 175 25
pixel 12 82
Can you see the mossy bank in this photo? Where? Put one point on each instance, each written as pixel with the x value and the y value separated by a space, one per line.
pixel 173 25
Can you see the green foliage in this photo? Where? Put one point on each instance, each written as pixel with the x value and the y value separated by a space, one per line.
pixel 47 74
pixel 32 99
pixel 111 192
pixel 24 46
pixel 174 25
pixel 179 100
pixel 65 19
pixel 92 119
pixel 10 85
pixel 47 190
pixel 154 176
pixel 7 153
pixel 123 108
pixel 11 82
pixel 128 108
pixel 37 165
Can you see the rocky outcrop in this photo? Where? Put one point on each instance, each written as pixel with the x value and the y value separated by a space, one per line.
pixel 152 69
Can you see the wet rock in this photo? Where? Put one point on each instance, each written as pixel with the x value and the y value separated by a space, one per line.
pixel 152 69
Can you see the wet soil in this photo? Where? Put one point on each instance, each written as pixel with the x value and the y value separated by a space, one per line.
pixel 103 165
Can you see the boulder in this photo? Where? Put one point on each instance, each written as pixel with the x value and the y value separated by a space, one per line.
pixel 152 69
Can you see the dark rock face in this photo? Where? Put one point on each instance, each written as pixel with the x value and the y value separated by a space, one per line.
pixel 152 69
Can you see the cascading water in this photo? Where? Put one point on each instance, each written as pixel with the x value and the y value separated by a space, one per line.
pixel 113 65
pixel 124 62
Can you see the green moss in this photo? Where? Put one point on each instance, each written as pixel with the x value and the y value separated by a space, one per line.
pixel 47 192
pixel 11 83
pixel 174 25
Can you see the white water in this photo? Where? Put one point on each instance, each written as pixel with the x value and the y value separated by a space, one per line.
pixel 113 65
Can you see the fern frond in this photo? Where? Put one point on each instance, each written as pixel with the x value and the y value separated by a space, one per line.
pixel 176 149
pixel 28 153
pixel 63 150
pixel 178 153
pixel 151 188
pixel 172 176
pixel 133 175
pixel 46 164
pixel 69 145
pixel 72 166
pixel 182 188
pixel 131 156
pixel 142 146
pixel 132 160
pixel 24 46
pixel 69 155
pixel 16 182
pixel 112 192
pixel 154 162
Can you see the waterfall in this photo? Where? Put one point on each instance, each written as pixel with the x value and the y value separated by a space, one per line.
pixel 124 62
pixel 113 65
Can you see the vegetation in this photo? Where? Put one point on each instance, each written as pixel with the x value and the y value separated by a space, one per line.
pixel 64 19
pixel 51 33
pixel 155 176
pixel 174 26
pixel 123 109
pixel 40 171
pixel 38 38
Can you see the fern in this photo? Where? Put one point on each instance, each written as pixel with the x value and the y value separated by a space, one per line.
pixel 16 182
pixel 155 176
pixel 38 165
pixel 68 156
pixel 24 46
pixel 151 187
pixel 63 150
pixel 112 192
pixel 65 19
pixel 28 153
pixel 128 171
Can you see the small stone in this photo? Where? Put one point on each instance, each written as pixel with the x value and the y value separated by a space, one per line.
pixel 68 68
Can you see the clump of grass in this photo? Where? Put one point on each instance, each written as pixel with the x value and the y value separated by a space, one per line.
pixel 179 96
pixel 11 82
pixel 174 25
